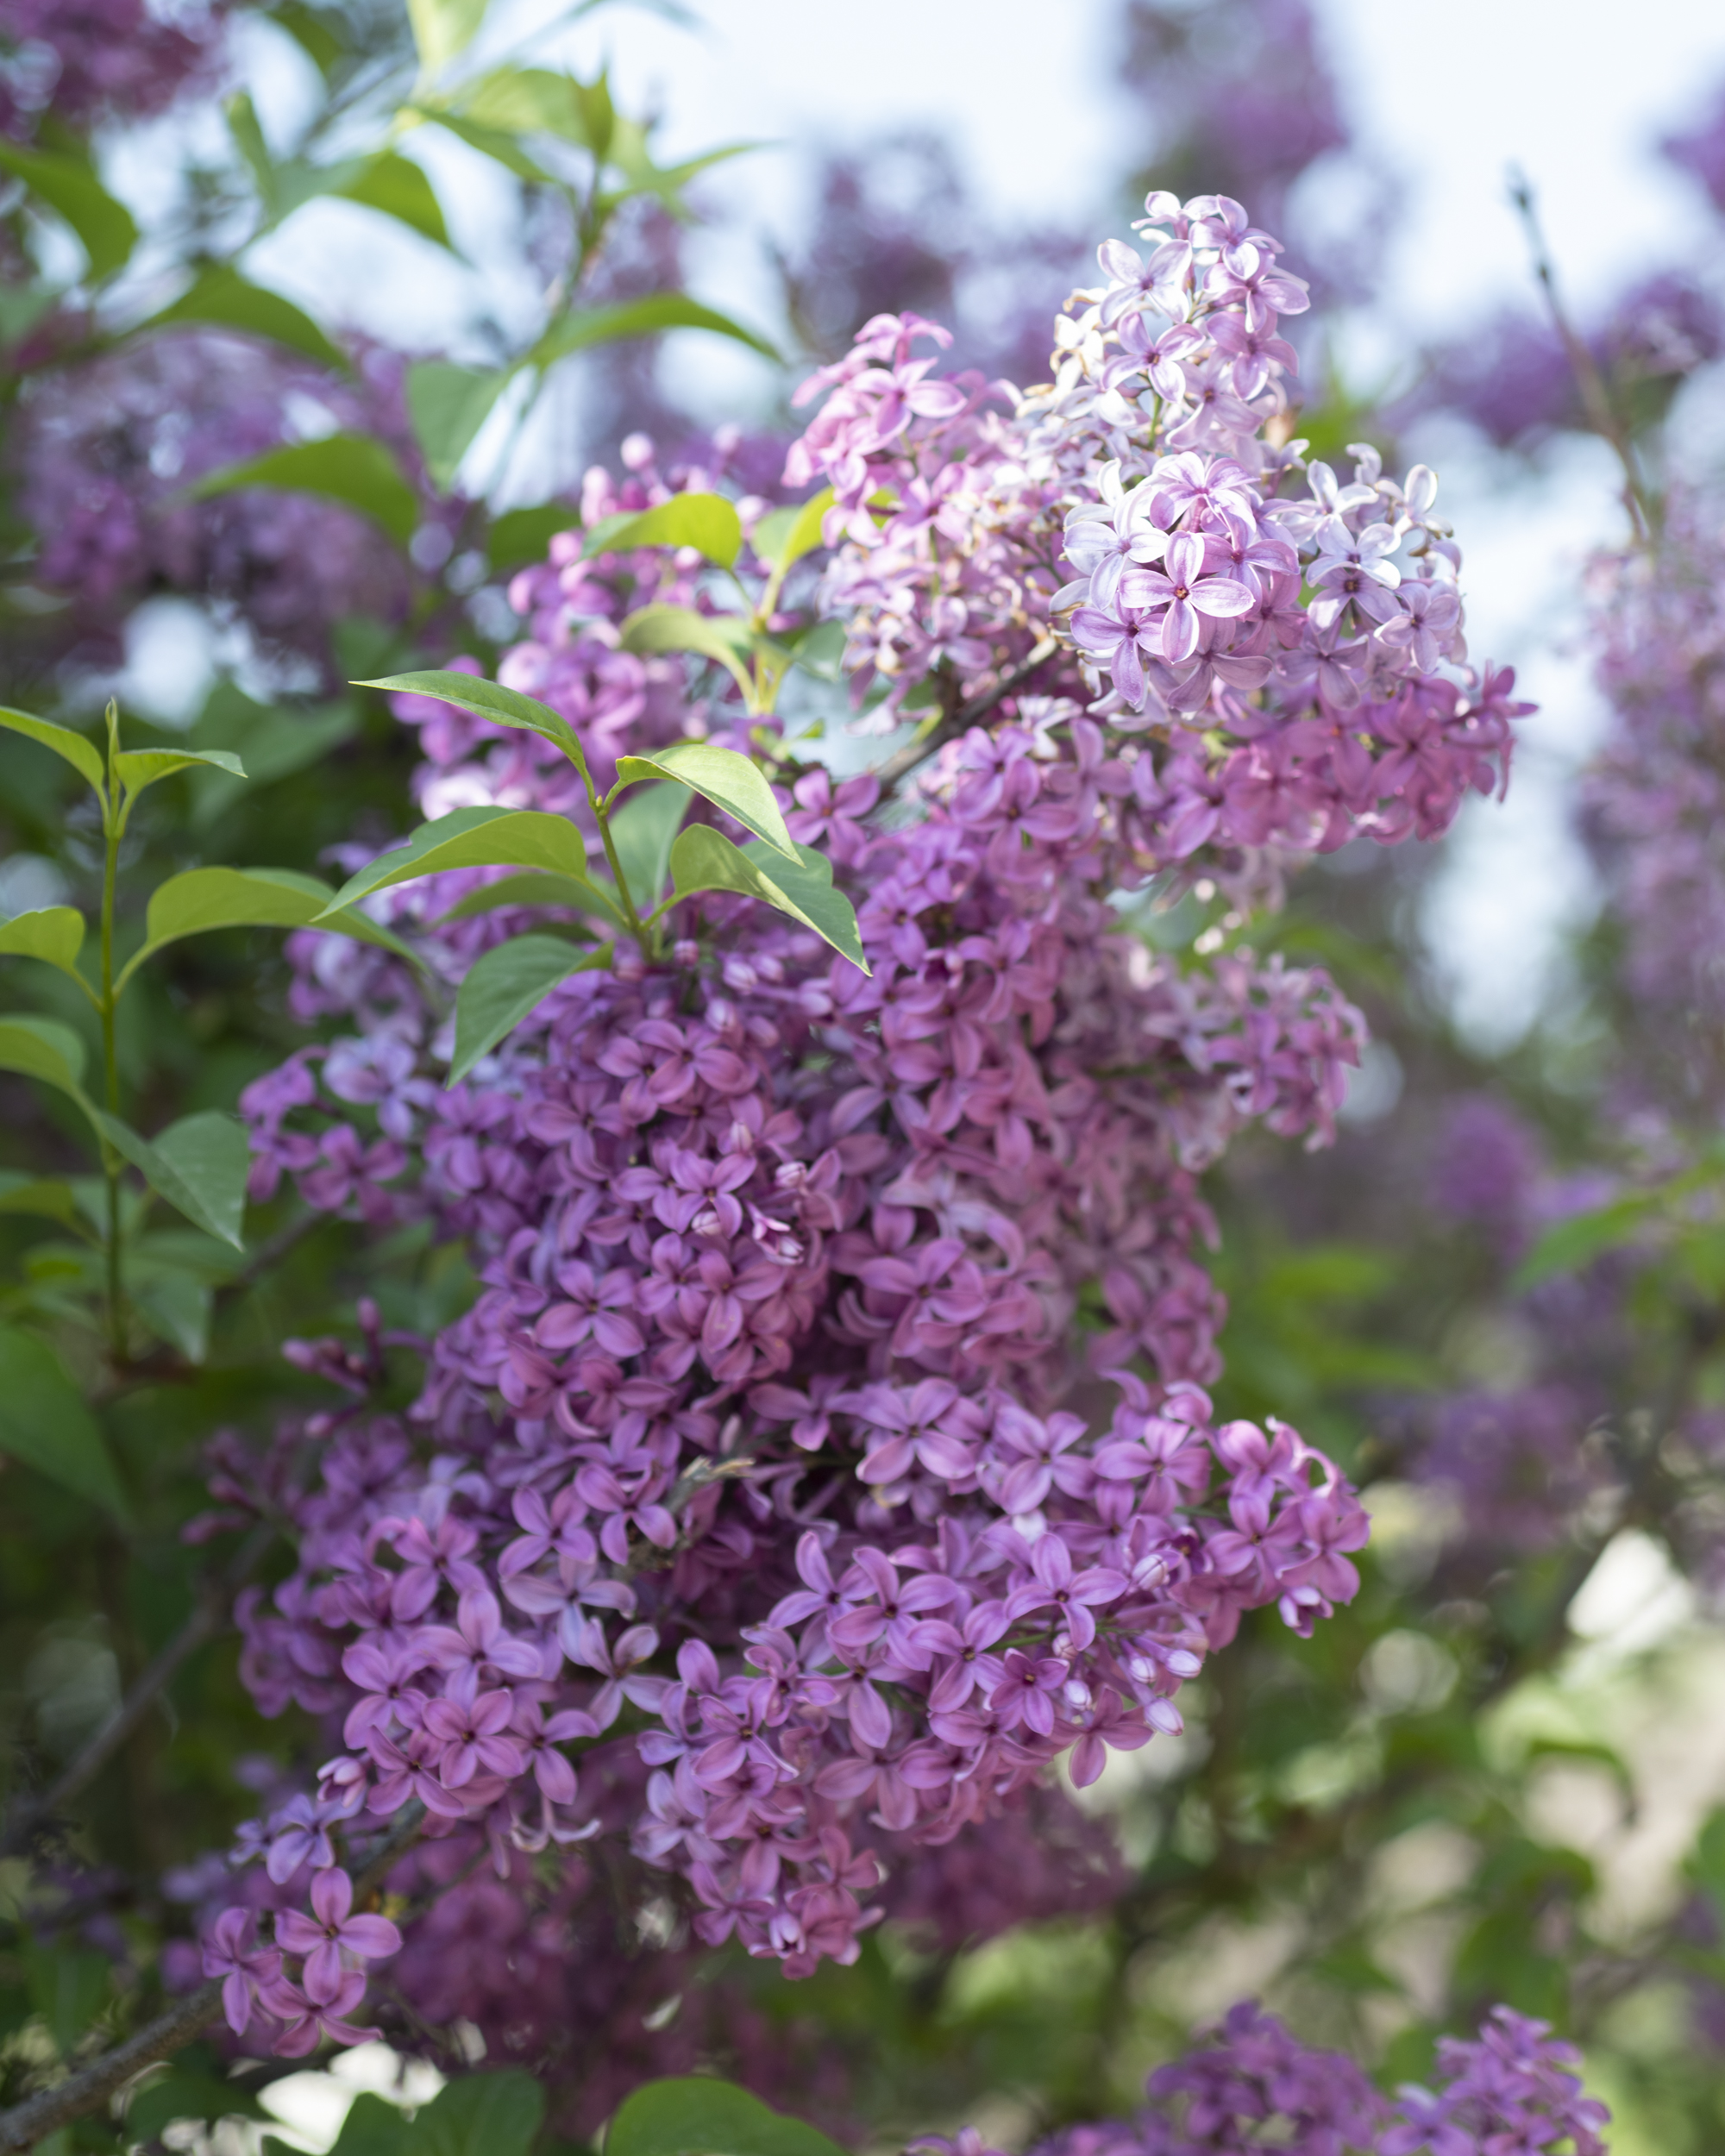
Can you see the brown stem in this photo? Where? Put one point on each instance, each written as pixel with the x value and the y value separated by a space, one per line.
pixel 906 759
pixel 39 2116
pixel 215 1602
pixel 1595 397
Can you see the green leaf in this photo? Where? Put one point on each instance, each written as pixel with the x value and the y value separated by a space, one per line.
pixel 488 700
pixel 732 782
pixel 706 521
pixel 351 468
pixel 694 2116
pixel 820 650
pixel 702 860
pixel 69 187
pixel 176 1307
pixel 399 188
pixel 273 742
pixel 481 838
pixel 200 900
pixel 574 332
pixel 642 831
pixel 198 1164
pixel 720 637
pixel 221 296
pixel 308 28
pixel 137 768
pixel 55 935
pixel 41 1048
pixel 442 30
pixel 372 2128
pixel 526 889
pixel 68 1987
pixel 448 404
pixel 249 139
pixel 538 101
pixel 1568 1245
pixel 521 536
pixel 45 1423
pixel 784 535
pixel 490 142
pixel 507 985
pixel 83 755
pixel 45 1197
pixel 480 2115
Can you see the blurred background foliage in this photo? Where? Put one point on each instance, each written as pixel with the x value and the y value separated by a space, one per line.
pixel 1497 1300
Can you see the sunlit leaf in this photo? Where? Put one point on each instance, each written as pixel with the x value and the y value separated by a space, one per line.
pixel 783 536
pixel 45 1423
pixel 706 521
pixel 399 188
pixel 69 187
pixel 353 469
pixel 728 780
pixel 137 768
pixel 703 860
pixel 443 29
pixel 506 986
pixel 493 142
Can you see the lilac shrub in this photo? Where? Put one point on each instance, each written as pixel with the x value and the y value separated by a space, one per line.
pixel 1511 2091
pixel 827 1452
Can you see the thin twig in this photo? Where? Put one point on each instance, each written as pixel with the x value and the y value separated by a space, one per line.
pixel 39 2116
pixel 215 1604
pixel 1595 397
pixel 906 759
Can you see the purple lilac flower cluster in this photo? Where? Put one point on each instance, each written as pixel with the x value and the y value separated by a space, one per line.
pixel 1254 2085
pixel 829 1425
pixel 86 59
pixel 107 450
pixel 1148 462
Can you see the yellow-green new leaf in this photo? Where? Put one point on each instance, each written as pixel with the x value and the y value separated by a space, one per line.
pixel 703 860
pixel 55 935
pixel 45 1423
pixel 707 523
pixel 508 985
pixel 488 700
pixel 728 780
pixel 482 838
pixel 785 535
pixel 399 188
pixel 83 755
pixel 137 768
pixel 443 29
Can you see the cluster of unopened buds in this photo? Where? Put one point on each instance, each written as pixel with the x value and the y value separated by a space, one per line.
pixel 828 1449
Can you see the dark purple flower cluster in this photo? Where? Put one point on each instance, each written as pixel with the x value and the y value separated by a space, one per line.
pixel 107 450
pixel 1254 2085
pixel 826 1454
pixel 85 60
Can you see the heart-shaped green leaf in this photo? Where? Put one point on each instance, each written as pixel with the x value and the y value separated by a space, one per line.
pixel 507 985
pixel 697 2115
pixel 703 860
pixel 732 782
